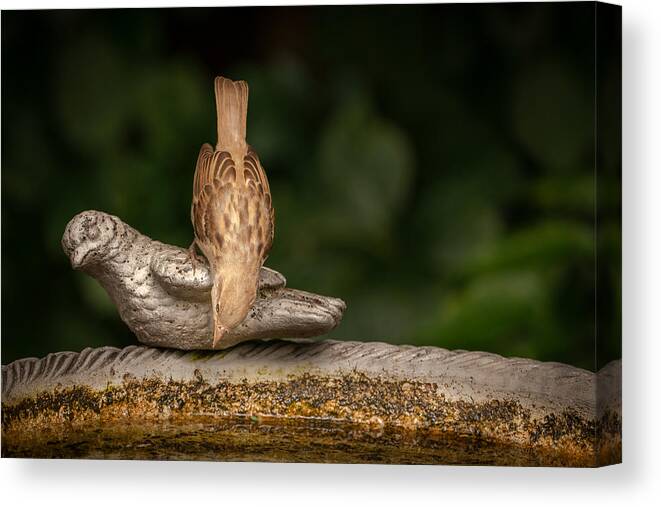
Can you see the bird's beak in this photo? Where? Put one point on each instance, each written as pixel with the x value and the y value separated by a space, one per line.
pixel 218 333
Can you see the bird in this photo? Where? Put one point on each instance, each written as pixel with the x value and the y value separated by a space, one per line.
pixel 231 210
pixel 167 304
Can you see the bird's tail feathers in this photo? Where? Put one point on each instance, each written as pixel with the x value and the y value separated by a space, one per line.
pixel 231 111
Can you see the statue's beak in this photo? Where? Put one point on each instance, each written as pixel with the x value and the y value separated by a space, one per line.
pixel 77 258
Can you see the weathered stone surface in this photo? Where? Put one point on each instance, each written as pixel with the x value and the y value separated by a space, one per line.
pixel 277 400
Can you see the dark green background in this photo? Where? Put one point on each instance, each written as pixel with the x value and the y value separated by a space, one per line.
pixel 433 166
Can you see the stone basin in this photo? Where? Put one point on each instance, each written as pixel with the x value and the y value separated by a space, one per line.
pixel 306 401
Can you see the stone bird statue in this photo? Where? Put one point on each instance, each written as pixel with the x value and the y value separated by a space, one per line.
pixel 167 303
pixel 231 211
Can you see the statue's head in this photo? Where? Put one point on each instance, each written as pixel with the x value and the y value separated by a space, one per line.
pixel 91 237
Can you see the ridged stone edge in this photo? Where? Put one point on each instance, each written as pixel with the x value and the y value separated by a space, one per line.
pixel 459 375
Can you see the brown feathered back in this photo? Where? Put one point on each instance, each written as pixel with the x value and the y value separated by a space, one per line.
pixel 231 211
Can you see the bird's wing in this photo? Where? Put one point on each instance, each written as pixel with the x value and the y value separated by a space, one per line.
pixel 232 212
pixel 255 178
pixel 213 172
pixel 261 215
pixel 172 268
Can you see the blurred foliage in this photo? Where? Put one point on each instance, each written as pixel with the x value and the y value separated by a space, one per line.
pixel 434 166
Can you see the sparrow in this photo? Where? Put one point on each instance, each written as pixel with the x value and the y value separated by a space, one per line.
pixel 231 211
pixel 168 304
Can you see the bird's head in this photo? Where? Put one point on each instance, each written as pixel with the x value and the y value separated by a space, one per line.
pixel 92 237
pixel 233 293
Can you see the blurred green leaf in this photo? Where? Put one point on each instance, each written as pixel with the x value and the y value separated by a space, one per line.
pixel 542 246
pixel 91 107
pixel 459 213
pixel 574 193
pixel 512 303
pixel 553 116
pixel 367 165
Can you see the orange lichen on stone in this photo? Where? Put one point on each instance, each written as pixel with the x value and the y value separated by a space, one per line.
pixel 395 410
